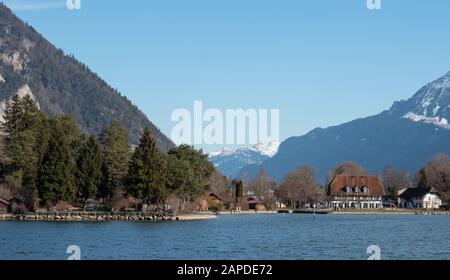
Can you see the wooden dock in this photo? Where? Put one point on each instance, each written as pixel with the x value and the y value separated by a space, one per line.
pixel 313 211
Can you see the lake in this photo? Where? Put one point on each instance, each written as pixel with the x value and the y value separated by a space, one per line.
pixel 261 237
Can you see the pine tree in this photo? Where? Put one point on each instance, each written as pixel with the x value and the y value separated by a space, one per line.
pixel 116 153
pixel 72 132
pixel 180 177
pixel 56 178
pixel 201 168
pixel 146 174
pixel 422 179
pixel 25 136
pixel 88 172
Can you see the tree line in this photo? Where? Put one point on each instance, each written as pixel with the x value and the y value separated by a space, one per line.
pixel 300 187
pixel 44 161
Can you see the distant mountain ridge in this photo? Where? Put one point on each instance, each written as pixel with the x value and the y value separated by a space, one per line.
pixel 29 64
pixel 230 162
pixel 406 136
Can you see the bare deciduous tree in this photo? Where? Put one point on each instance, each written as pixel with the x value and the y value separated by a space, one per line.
pixel 218 183
pixel 262 186
pixel 346 168
pixel 300 187
pixel 394 181
pixel 436 174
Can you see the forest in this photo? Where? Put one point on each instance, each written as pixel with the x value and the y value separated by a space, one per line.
pixel 49 162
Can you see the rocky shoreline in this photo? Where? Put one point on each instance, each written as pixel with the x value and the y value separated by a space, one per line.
pixel 101 217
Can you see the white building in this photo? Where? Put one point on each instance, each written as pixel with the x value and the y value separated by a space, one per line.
pixel 421 198
pixel 356 192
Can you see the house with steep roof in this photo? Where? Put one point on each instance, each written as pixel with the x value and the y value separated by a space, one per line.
pixel 5 205
pixel 356 192
pixel 421 198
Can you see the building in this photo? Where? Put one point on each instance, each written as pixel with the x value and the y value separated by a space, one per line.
pixel 256 204
pixel 217 202
pixel 5 205
pixel 356 192
pixel 421 198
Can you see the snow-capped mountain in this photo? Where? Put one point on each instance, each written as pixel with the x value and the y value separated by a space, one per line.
pixel 406 136
pixel 229 162
pixel 269 149
pixel 431 104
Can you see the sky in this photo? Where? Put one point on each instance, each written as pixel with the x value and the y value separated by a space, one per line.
pixel 320 62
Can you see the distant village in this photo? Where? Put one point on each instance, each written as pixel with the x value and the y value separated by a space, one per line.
pixel 343 193
pixel 363 192
pixel 48 165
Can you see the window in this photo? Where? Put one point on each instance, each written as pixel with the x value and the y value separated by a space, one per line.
pixel 365 189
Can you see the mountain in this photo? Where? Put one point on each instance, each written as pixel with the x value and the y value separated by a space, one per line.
pixel 230 162
pixel 29 64
pixel 406 136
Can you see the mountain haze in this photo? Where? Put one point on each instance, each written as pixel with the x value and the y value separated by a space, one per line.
pixel 29 64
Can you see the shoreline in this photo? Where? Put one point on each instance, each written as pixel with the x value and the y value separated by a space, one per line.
pixel 247 212
pixel 104 217
pixel 195 216
pixel 394 212
pixel 369 212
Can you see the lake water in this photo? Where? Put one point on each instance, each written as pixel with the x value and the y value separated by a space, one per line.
pixel 289 236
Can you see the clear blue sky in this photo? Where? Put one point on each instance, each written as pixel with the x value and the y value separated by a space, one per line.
pixel 321 62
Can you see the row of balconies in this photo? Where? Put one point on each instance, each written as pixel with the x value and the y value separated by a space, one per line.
pixel 356 198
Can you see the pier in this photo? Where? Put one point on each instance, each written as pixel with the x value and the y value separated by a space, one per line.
pixel 313 211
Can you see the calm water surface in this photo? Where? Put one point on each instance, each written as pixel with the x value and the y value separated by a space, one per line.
pixel 234 237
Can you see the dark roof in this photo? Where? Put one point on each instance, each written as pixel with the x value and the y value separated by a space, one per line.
pixel 4 201
pixel 252 200
pixel 418 192
pixel 223 197
pixel 340 183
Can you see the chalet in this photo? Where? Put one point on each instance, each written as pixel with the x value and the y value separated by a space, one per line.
pixel 5 205
pixel 422 198
pixel 356 192
pixel 256 204
pixel 222 201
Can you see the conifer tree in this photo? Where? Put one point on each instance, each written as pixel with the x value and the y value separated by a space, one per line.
pixel 56 178
pixel 180 177
pixel 25 136
pixel 88 172
pixel 116 153
pixel 422 179
pixel 202 170
pixel 146 174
